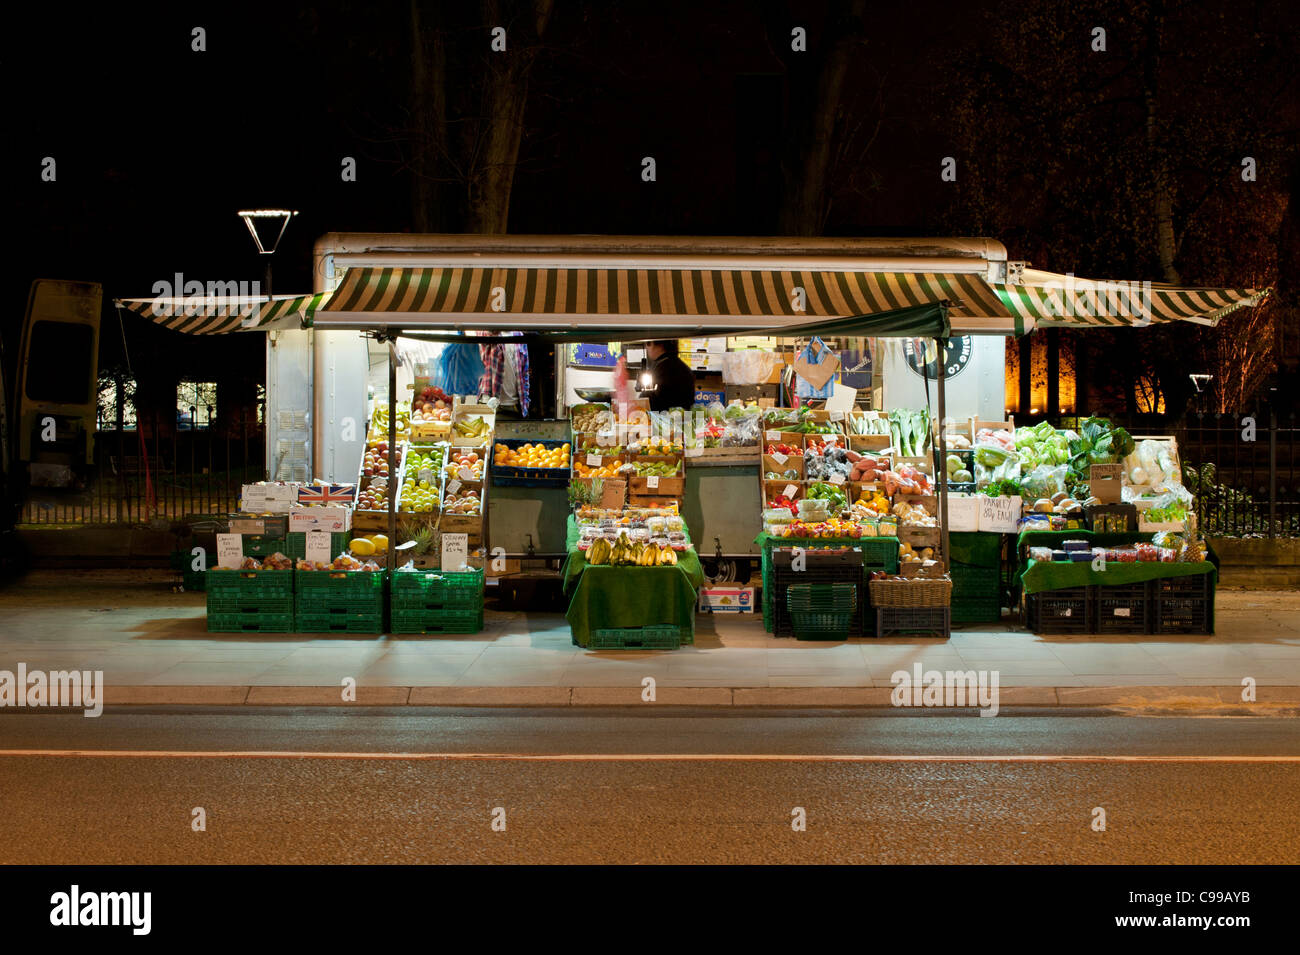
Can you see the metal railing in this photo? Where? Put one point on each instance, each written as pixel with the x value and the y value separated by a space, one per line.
pixel 171 473
pixel 1243 470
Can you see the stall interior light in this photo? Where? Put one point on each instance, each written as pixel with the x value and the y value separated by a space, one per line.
pixel 646 379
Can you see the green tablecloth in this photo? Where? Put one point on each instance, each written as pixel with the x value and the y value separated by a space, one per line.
pixel 1057 575
pixel 1053 540
pixel 975 548
pixel 607 597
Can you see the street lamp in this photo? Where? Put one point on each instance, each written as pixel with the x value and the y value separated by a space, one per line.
pixel 249 216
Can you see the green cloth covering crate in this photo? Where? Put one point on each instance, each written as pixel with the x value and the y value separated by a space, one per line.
pixel 628 598
pixel 1043 575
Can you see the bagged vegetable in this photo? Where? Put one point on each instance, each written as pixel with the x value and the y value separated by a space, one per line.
pixel 1045 481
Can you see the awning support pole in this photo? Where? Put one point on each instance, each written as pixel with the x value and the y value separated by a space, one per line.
pixel 392 453
pixel 940 464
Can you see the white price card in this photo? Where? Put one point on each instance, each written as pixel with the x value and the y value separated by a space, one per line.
pixel 426 475
pixel 790 491
pixel 230 551
pixel 318 547
pixel 466 475
pixel 452 487
pixel 999 515
pixel 963 513
pixel 837 478
pixel 652 482
pixel 774 436
pixel 779 458
pixel 837 415
pixel 694 452
pixel 593 460
pixel 455 548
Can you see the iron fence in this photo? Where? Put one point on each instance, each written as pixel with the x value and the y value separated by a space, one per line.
pixel 156 471
pixel 1243 470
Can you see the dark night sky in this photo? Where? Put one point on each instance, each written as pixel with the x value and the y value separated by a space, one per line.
pixel 158 146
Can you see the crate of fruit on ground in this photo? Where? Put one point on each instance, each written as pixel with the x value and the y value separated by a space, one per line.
pixel 258 597
pixel 518 463
pixel 345 595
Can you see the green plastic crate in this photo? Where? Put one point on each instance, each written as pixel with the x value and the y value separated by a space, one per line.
pixel 821 611
pixel 437 621
pixel 661 637
pixel 878 553
pixel 975 583
pixel 340 591
pixel 226 602
pixel 246 582
pixel 295 544
pixel 250 623
pixel 340 622
pixel 194 580
pixel 976 611
pixel 434 590
pixel 262 545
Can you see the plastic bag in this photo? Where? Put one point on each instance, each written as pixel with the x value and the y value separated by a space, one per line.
pixel 742 430
pixel 748 367
pixel 1045 481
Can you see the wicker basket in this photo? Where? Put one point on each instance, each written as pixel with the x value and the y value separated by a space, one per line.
pixel 917 592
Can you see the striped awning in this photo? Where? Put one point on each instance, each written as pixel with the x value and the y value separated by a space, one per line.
pixel 218 315
pixel 1065 301
pixel 672 300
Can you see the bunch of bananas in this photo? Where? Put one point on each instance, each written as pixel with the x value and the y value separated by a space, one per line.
pixel 624 552
pixel 472 427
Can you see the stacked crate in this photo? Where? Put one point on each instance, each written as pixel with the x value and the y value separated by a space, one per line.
pixel 250 601
pixel 437 602
pixel 340 601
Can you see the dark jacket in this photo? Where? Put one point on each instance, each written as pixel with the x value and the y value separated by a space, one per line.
pixel 676 383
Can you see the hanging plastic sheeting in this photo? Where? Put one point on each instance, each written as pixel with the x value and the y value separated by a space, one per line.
pixel 459 369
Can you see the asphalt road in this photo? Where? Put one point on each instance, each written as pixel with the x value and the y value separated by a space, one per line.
pixel 387 807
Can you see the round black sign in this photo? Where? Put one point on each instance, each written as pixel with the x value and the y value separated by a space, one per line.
pixel 922 356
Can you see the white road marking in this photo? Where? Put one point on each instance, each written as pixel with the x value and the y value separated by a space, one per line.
pixel 642 757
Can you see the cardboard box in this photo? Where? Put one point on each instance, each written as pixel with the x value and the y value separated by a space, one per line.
pixel 1105 482
pixel 260 526
pixel 727 599
pixel 708 397
pixel 331 519
pixel 268 498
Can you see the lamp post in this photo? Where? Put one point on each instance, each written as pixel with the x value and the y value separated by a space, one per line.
pixel 284 215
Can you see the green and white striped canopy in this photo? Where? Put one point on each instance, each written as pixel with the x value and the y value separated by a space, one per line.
pixel 1064 301
pixel 218 315
pixel 672 300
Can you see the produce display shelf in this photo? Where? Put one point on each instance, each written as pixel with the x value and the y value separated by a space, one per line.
pixel 933 621
pixel 437 621
pixel 250 623
pixel 822 611
pixel 657 637
pixel 340 622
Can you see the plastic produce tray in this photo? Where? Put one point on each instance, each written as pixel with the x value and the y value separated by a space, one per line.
pixel 527 477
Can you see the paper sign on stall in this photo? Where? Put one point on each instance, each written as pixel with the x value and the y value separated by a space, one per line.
pixel 318 547
pixel 455 548
pixel 593 460
pixel 998 515
pixel 841 400
pixel 773 435
pixel 426 474
pixel 466 474
pixel 963 513
pixel 837 478
pixel 452 487
pixel 779 458
pixel 791 490
pixel 652 482
pixel 230 551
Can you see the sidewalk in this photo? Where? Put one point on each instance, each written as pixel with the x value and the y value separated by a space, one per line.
pixel 153 647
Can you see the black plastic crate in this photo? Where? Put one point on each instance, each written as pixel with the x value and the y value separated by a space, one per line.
pixel 821 567
pixel 1121 608
pixel 932 621
pixel 1182 604
pixel 1060 611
